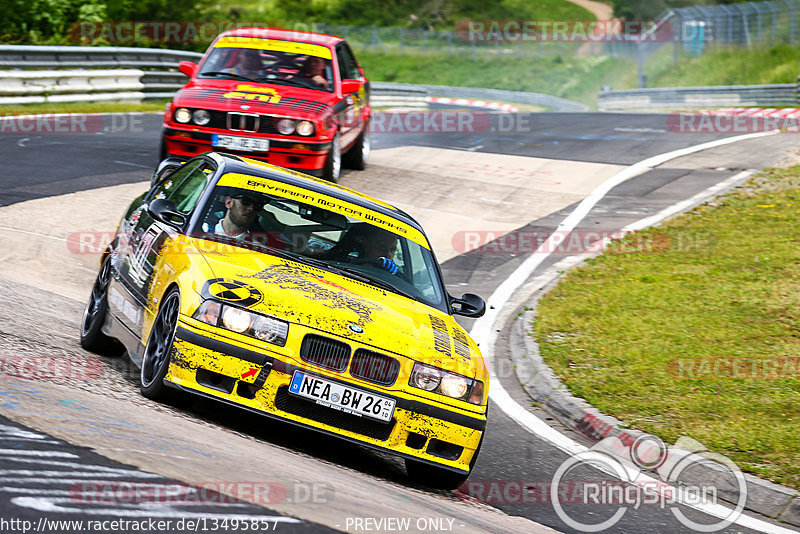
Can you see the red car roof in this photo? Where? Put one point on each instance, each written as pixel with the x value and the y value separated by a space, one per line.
pixel 285 35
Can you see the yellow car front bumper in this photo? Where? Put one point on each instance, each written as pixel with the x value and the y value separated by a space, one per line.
pixel 206 361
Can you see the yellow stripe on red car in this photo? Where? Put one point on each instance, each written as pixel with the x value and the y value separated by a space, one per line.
pixel 276 45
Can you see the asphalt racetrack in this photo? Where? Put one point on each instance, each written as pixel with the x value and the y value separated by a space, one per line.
pixel 522 173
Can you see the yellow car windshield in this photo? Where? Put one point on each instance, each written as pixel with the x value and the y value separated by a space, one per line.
pixel 325 238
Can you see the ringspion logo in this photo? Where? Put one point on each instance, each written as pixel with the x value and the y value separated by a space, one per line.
pixel 647 472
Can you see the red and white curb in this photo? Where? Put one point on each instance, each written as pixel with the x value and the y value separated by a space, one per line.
pixel 782 113
pixel 495 106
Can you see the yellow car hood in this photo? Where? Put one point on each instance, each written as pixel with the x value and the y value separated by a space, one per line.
pixel 341 306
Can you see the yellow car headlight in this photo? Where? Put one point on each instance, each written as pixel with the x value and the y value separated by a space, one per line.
pixel 454 386
pixel 445 383
pixel 236 319
pixel 243 321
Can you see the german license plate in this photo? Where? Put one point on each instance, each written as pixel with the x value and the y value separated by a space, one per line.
pixel 341 397
pixel 250 144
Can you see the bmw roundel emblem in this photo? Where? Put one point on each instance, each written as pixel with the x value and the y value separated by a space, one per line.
pixel 355 328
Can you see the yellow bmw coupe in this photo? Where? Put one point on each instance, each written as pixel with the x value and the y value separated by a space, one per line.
pixel 297 299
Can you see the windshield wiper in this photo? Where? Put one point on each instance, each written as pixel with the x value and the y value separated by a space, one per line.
pixel 352 273
pixel 364 277
pixel 231 74
pixel 300 82
pixel 250 245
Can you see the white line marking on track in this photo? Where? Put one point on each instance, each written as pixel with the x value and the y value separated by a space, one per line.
pixel 133 164
pixel 7 229
pixel 484 331
pixel 641 130
pixel 53 454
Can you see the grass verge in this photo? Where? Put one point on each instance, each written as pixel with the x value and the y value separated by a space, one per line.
pixel 439 14
pixel 574 78
pixel 732 66
pixel 693 328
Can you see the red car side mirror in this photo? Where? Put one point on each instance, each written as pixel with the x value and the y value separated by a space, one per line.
pixel 350 86
pixel 188 68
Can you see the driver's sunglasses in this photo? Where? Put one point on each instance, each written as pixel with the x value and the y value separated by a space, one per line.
pixel 247 201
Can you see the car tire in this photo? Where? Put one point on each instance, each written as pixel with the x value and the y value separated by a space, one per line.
pixel 333 163
pixel 356 158
pixel 155 361
pixel 94 315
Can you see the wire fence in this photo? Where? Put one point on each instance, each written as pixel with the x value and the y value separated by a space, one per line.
pixel 693 30
pixel 743 24
pixel 493 41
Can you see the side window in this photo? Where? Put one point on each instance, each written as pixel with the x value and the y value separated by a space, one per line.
pixel 345 68
pixel 351 59
pixel 188 193
pixel 420 266
pixel 184 186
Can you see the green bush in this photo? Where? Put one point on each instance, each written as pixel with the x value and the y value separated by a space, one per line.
pixel 49 21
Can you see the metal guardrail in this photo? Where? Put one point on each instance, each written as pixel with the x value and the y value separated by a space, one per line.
pixel 160 77
pixel 91 57
pixel 784 94
pixel 35 86
pixel 553 103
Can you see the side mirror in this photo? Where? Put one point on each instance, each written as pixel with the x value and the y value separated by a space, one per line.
pixel 167 166
pixel 350 86
pixel 189 68
pixel 167 212
pixel 468 305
